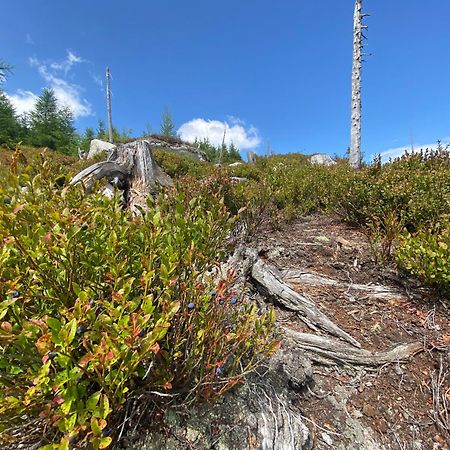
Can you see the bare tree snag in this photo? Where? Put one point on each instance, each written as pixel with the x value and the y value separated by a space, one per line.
pixel 319 348
pixel 108 101
pixel 355 136
pixel 130 168
pixel 270 279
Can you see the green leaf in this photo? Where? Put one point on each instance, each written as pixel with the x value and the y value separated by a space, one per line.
pixel 92 401
pixel 54 324
pixel 105 442
pixel 104 406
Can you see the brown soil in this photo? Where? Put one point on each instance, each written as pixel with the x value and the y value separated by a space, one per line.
pixel 394 402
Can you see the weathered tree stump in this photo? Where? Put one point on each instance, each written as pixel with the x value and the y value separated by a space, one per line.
pixel 130 168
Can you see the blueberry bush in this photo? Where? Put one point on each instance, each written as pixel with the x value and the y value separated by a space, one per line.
pixel 426 254
pixel 98 307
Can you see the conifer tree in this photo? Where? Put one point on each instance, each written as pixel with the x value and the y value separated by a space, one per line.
pixel 10 128
pixel 167 125
pixel 52 126
pixel 86 138
pixel 5 68
pixel 233 153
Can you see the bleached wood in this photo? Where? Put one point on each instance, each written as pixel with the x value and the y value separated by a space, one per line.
pixel 134 162
pixel 376 291
pixel 323 347
pixel 271 280
pixel 108 100
pixel 355 135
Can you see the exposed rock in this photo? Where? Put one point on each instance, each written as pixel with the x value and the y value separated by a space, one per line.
pixel 322 159
pixel 177 146
pixel 98 147
pixel 259 415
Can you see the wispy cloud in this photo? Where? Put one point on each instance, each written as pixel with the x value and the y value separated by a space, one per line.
pixel 23 101
pixel 98 81
pixel 55 74
pixel 235 132
pixel 67 63
pixel 392 153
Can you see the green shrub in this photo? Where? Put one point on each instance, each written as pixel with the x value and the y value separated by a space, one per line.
pixel 416 188
pixel 426 254
pixel 98 307
pixel 179 165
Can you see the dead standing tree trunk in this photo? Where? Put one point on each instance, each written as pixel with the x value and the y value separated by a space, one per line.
pixel 108 100
pixel 355 137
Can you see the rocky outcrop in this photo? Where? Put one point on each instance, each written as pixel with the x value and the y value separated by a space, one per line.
pixel 259 415
pixel 172 145
pixel 98 147
pixel 177 146
pixel 322 159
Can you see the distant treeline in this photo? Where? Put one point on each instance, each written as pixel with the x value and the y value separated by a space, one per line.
pixel 50 125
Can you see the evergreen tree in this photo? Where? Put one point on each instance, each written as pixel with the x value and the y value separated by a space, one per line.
pixel 167 125
pixel 51 126
pixel 5 68
pixel 205 146
pixel 86 138
pixel 10 128
pixel 101 131
pixel 234 154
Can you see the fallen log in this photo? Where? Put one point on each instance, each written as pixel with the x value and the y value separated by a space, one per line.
pixel 270 279
pixel 320 347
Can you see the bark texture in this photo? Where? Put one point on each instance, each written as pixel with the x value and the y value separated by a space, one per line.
pixel 270 279
pixel 320 348
pixel 355 137
pixel 130 168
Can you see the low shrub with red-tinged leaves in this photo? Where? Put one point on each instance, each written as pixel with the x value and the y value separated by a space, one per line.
pixel 99 307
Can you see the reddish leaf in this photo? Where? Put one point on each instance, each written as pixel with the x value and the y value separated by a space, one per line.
pixel 18 208
pixel 155 348
pixel 47 238
pixel 58 400
pixel 6 326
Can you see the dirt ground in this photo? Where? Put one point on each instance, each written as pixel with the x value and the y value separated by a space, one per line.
pixel 389 407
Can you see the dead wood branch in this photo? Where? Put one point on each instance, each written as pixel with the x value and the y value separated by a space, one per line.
pixel 300 276
pixel 270 279
pixel 441 394
pixel 337 351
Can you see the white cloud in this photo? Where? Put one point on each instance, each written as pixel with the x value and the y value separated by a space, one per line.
pixel 236 133
pixel 68 63
pixel 23 101
pixel 392 153
pixel 68 94
pixel 98 81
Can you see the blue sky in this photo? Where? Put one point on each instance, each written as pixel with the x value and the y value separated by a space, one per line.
pixel 277 72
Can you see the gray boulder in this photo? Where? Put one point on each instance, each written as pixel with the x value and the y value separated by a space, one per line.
pixel 322 159
pixel 97 147
pixel 174 145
